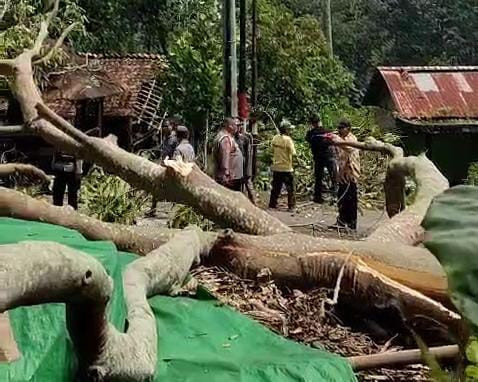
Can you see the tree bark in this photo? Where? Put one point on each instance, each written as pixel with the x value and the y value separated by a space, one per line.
pixel 23 170
pixel 79 281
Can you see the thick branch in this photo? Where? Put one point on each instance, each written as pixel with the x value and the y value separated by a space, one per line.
pixel 318 265
pixel 81 282
pixel 25 170
pixel 57 45
pixel 43 33
pixel 371 144
pixel 127 238
pixel 405 227
pixel 413 267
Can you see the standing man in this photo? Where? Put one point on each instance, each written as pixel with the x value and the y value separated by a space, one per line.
pixel 245 141
pixel 282 168
pixel 228 158
pixel 68 171
pixel 348 176
pixel 184 149
pixel 324 157
pixel 168 145
pixel 170 140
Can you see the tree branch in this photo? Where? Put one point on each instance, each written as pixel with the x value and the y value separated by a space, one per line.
pixel 43 33
pixel 371 144
pixel 19 169
pixel 80 281
pixel 57 45
pixel 11 129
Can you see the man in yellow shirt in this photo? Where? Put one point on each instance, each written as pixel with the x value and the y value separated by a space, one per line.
pixel 282 169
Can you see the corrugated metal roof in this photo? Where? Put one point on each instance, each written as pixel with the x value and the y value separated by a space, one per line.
pixel 428 93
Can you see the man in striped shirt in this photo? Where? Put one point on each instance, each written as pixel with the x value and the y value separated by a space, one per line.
pixel 348 177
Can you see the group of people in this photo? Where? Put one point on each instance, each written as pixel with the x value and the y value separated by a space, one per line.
pixel 232 160
pixel 330 151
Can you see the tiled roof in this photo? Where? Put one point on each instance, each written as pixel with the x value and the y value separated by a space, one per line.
pixel 129 72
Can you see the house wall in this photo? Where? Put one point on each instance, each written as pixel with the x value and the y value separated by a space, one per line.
pixel 451 153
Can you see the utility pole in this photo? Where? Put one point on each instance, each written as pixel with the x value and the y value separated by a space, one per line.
pixel 230 58
pixel 254 130
pixel 328 13
pixel 254 55
pixel 242 47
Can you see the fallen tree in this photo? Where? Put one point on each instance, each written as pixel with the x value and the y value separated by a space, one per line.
pixel 388 269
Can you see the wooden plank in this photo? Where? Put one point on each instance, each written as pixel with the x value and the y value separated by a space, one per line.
pixel 8 347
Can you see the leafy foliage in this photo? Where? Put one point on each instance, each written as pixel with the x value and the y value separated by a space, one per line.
pixel 405 32
pixel 184 216
pixel 194 78
pixel 472 178
pixel 20 24
pixel 111 199
pixel 452 228
pixel 297 77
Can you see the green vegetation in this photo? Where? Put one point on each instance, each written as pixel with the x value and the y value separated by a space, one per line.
pixel 452 224
pixel 472 178
pixel 110 199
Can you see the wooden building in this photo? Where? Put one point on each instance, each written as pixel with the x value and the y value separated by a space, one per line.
pixel 100 94
pixel 434 109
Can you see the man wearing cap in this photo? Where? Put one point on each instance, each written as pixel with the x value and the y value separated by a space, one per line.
pixel 348 177
pixel 282 168
pixel 324 157
pixel 184 150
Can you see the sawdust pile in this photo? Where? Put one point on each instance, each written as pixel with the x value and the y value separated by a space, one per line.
pixel 303 317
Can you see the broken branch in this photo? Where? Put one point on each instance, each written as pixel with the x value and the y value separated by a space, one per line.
pixel 57 45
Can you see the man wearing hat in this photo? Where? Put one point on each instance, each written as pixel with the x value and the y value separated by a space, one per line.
pixel 282 168
pixel 348 177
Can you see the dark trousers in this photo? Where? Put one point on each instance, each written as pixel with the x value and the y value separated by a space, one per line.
pixel 348 205
pixel 278 180
pixel 319 165
pixel 248 189
pixel 63 180
pixel 234 185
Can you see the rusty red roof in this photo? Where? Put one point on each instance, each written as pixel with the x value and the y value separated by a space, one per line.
pixel 129 72
pixel 427 93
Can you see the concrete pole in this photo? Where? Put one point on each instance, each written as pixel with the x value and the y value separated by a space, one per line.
pixel 230 58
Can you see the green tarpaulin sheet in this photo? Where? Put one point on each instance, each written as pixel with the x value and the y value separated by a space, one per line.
pixel 199 339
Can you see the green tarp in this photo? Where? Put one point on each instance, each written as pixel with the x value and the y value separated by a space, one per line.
pixel 199 339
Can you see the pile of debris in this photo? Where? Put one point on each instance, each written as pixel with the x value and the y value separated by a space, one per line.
pixel 307 318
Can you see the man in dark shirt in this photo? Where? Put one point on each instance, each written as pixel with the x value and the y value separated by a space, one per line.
pixel 324 157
